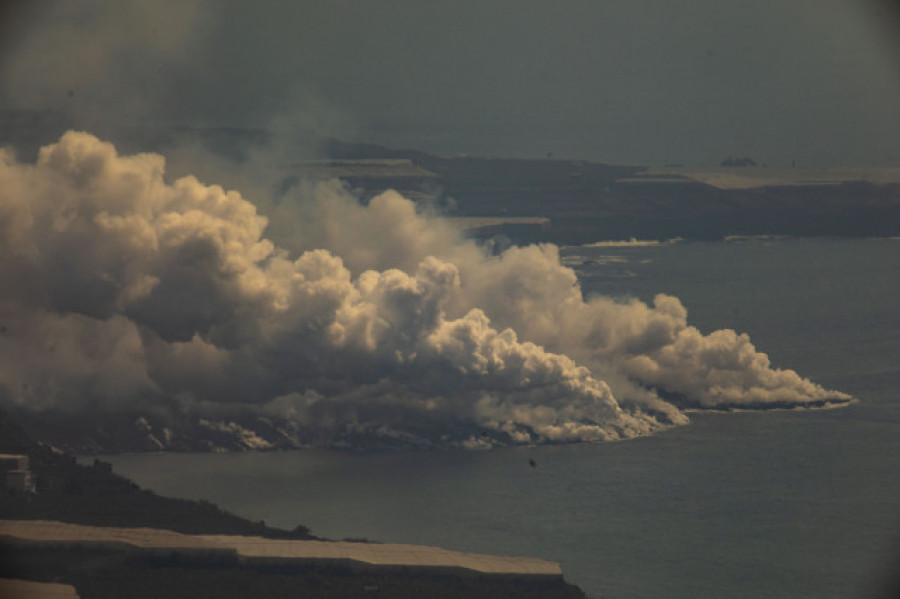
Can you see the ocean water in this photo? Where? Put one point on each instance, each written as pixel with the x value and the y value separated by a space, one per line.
pixel 779 504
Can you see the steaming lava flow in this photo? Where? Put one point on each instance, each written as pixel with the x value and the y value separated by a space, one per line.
pixel 125 298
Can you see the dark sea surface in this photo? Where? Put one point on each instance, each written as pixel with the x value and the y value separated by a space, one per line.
pixel 779 504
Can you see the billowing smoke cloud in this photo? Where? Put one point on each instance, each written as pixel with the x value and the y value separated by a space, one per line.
pixel 120 290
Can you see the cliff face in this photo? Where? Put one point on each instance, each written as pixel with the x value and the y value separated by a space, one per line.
pixel 586 202
pixel 583 201
pixel 262 552
pixel 102 574
pixel 595 202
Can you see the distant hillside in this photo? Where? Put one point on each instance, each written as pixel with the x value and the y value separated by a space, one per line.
pixel 586 202
pixel 583 201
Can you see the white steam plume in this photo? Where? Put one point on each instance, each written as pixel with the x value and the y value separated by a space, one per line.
pixel 119 289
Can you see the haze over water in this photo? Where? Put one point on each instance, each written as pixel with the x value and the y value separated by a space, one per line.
pixel 774 504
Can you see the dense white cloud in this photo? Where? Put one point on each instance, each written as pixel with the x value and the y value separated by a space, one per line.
pixel 120 289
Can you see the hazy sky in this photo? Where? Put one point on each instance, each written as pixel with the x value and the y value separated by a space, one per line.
pixel 626 81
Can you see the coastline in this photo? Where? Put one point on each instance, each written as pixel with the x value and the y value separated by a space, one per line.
pixel 110 538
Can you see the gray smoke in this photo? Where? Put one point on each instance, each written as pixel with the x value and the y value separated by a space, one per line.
pixel 119 289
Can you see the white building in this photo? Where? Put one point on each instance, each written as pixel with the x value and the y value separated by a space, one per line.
pixel 15 473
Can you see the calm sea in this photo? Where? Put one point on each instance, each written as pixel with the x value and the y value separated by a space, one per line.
pixel 780 504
